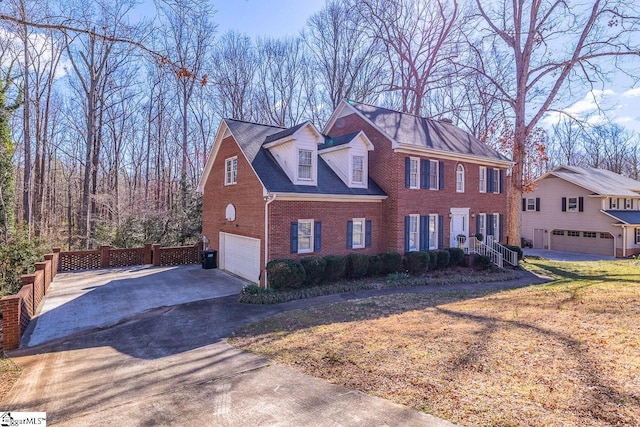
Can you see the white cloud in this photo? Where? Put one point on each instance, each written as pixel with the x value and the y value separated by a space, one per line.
pixel 632 93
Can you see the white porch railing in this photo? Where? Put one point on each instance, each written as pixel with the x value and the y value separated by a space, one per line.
pixel 474 246
pixel 511 257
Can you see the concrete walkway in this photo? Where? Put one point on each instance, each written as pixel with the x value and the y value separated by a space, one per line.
pixel 565 256
pixel 171 365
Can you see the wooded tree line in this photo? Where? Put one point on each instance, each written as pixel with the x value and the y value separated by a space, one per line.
pixel 107 117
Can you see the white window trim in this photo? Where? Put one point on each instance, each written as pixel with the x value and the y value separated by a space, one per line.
pixel 417 232
pixel 575 208
pixel 460 178
pixel 311 242
pixel 233 179
pixel 533 205
pixel 311 170
pixel 436 173
pixel 496 181
pixel 628 204
pixel 416 184
pixel 362 233
pixel 433 243
pixel 482 179
pixel 496 226
pixel 352 171
pixel 614 203
pixel 483 228
pixel 637 236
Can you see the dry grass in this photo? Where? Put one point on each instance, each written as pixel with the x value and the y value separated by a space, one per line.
pixel 565 353
pixel 9 373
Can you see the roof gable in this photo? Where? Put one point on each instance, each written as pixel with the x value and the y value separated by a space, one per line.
pixel 600 181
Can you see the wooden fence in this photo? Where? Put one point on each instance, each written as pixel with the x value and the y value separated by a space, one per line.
pixel 19 309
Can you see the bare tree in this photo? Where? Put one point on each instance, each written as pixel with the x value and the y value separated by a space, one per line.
pixel 421 41
pixel 552 44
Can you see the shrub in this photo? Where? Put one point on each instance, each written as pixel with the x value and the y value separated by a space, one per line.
pixel 416 262
pixel 433 260
pixel 256 290
pixel 356 266
pixel 456 256
pixel 375 265
pixel 391 262
pixel 482 262
pixel 479 237
pixel 517 249
pixel 443 259
pixel 285 274
pixel 17 257
pixel 314 269
pixel 335 268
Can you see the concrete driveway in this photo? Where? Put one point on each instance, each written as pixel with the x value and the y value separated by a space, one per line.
pixel 147 346
pixel 565 256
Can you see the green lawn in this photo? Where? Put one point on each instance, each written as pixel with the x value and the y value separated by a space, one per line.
pixel 564 353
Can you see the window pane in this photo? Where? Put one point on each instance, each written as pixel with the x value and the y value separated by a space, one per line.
pixel 413 233
pixel 432 232
pixel 413 173
pixel 433 174
pixel 357 235
pixel 304 236
pixel 483 179
pixel 304 164
pixel 358 169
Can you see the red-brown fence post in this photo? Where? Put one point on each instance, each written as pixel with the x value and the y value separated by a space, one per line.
pixel 148 256
pixel 155 248
pixel 44 266
pixel 56 261
pixel 104 259
pixel 11 331
pixel 51 269
pixel 30 279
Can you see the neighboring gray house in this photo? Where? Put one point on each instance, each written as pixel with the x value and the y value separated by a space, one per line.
pixel 583 210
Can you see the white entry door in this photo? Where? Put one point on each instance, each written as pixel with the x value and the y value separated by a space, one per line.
pixel 459 225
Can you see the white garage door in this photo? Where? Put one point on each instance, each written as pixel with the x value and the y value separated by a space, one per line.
pixel 240 255
pixel 588 242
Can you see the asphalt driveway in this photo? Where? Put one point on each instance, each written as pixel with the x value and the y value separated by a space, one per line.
pixel 147 346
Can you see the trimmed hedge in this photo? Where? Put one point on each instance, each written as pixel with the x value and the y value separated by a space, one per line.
pixel 416 262
pixel 482 262
pixel 456 256
pixel 335 267
pixel 314 267
pixel 356 265
pixel 375 265
pixel 433 260
pixel 517 249
pixel 443 259
pixel 391 262
pixel 285 274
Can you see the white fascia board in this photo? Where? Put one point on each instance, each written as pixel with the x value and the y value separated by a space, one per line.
pixel 328 197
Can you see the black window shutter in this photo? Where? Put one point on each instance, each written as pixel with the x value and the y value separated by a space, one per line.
pixel 501 227
pixel 564 204
pixel 440 175
pixel 490 225
pixel 580 204
pixel 489 180
pixel 294 237
pixel 367 233
pixel 501 181
pixel 478 224
pixel 440 232
pixel 317 237
pixel 406 233
pixel 424 173
pixel 537 204
pixel 349 234
pixel 424 232
pixel 524 204
pixel 427 173
pixel 407 172
pixel 610 203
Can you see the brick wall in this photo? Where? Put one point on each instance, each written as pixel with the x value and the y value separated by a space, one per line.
pixel 334 217
pixel 388 170
pixel 246 196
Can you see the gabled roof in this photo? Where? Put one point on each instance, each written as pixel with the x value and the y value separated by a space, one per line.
pixel 252 136
pixel 420 132
pixel 600 181
pixel 285 133
pixel 625 217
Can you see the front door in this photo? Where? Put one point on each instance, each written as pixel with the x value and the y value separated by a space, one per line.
pixel 459 227
pixel 538 238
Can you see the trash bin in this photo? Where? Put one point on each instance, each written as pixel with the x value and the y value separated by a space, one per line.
pixel 209 259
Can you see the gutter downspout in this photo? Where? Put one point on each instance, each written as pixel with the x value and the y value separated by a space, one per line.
pixel 624 243
pixel 270 197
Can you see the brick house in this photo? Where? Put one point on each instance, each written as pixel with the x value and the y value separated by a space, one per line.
pixel 374 180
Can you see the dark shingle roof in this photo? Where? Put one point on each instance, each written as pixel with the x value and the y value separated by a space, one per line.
pixel 287 132
pixel 338 140
pixel 626 217
pixel 428 133
pixel 252 136
pixel 600 181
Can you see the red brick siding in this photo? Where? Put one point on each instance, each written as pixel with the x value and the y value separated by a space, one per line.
pixel 245 195
pixel 334 217
pixel 388 170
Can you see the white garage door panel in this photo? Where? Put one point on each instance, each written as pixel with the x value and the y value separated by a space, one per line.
pixel 240 255
pixel 589 245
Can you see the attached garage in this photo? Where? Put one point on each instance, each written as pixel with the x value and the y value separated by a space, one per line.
pixel 240 255
pixel 586 242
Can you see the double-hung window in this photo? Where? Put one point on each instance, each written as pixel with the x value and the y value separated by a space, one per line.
pixel 482 179
pixel 357 169
pixel 231 171
pixel 496 180
pixel 305 165
pixel 482 224
pixel 305 236
pixel 531 204
pixel 628 203
pixel 572 204
pixel 414 172
pixel 460 179
pixel 637 236
pixel 414 232
pixel 357 233
pixel 433 174
pixel 433 231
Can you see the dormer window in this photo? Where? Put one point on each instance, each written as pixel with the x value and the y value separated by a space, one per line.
pixel 305 165
pixel 357 169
